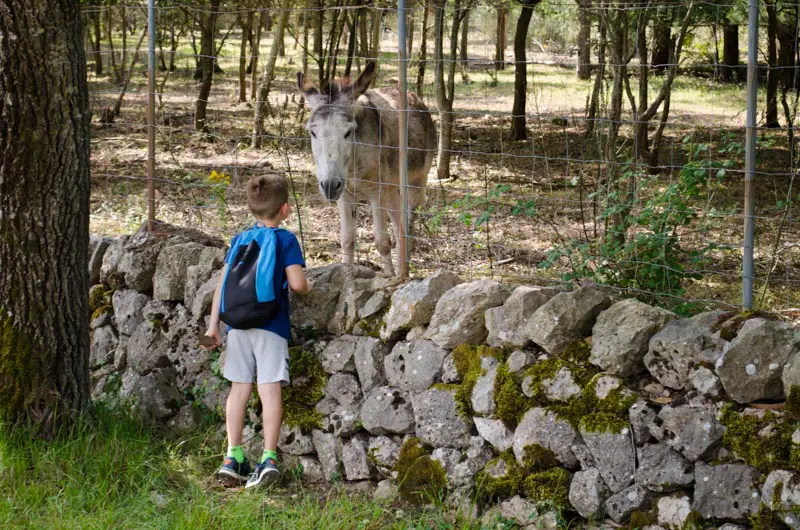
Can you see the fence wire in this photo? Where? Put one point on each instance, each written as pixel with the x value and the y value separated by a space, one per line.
pixel 598 178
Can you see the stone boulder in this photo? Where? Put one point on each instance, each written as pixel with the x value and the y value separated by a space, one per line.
pixel 343 420
pixel 387 410
pixel 414 366
pixel 506 323
pixel 203 297
pixel 641 415
pixel 541 426
pixel 355 459
pixel 614 456
pixel 661 469
pixel 472 460
pixel 482 399
pixel 384 452
pixel 674 511
pixel 343 388
pixel 459 314
pixel 727 492
pixel 621 336
pixel 679 346
pixel 632 499
pixel 438 420
pixel 292 441
pixel 413 304
pixel 104 344
pixel 169 280
pixel 139 258
pixel 318 308
pixel 692 430
pixel 154 397
pixel 128 306
pixel 208 265
pixel 109 270
pixel 337 356
pixel 566 318
pixel 368 356
pixel 356 291
pixel 781 493
pixel 329 451
pixel 495 432
pixel 147 349
pixel 588 493
pixel 751 369
pixel 97 250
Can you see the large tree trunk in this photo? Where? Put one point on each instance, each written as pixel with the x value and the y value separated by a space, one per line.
pixel 423 50
pixel 773 74
pixel 500 39
pixel 269 75
pixel 209 23
pixel 319 28
pixel 786 54
pixel 730 52
pixel 584 67
pixel 518 130
pixel 44 214
pixel 662 41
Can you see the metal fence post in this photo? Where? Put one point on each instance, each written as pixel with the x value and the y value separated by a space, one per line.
pixel 151 112
pixel 403 122
pixel 750 156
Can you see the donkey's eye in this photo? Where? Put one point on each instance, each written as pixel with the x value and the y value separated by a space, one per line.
pixel 348 134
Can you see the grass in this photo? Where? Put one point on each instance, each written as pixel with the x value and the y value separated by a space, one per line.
pixel 112 472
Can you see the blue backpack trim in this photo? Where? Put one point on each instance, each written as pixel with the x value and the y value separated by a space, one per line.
pixel 252 286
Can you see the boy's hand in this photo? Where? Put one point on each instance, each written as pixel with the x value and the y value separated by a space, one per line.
pixel 210 340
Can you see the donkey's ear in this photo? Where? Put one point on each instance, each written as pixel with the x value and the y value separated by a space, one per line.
pixel 362 83
pixel 310 93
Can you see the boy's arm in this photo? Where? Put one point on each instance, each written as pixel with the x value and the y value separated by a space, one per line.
pixel 213 323
pixel 297 279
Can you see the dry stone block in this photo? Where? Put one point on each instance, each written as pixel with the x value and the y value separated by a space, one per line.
pixel 621 336
pixel 329 452
pixel 128 305
pixel 482 398
pixel 439 423
pixel 674 511
pixel 355 459
pixel 414 366
pixel 169 280
pixel 614 456
pixel 343 388
pixel 543 427
pixel 413 304
pixel 727 492
pixel 633 499
pixel 506 323
pixel 692 430
pixel 661 469
pixel 495 432
pixel 460 312
pixel 368 356
pixel 566 318
pixel 387 410
pixel 104 344
pixel 588 493
pixel 291 440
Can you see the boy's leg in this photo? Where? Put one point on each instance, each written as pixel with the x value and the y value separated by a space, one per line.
pixel 235 409
pixel 272 408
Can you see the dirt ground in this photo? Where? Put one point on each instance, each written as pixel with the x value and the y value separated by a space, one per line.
pixel 553 173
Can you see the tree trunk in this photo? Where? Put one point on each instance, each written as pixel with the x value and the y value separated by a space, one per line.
pixel 209 23
pixel 259 22
pixel 410 25
pixel 44 215
pixel 98 53
pixel 730 52
pixel 123 13
pixel 464 51
pixel 662 41
pixel 306 29
pixel 594 99
pixel 377 31
pixel 319 28
pixel 111 53
pixel 786 55
pixel 351 43
pixel 500 38
pixel 247 26
pixel 445 86
pixel 641 141
pixel 518 130
pixel 423 50
pixel 584 67
pixel 363 36
pixel 773 74
pixel 269 75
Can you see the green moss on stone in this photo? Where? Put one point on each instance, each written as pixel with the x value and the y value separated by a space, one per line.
pixel 764 442
pixel 577 352
pixel 613 409
pixel 15 371
pixel 600 422
pixel 511 403
pixel 308 380
pixel 551 486
pixel 99 295
pixel 766 519
pixel 467 359
pixel 491 488
pixel 730 325
pixel 536 457
pixel 100 311
pixel 420 479
pixel 372 325
pixel 640 520
pixel 792 407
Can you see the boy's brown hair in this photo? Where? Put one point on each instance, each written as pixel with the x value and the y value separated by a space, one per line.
pixel 266 195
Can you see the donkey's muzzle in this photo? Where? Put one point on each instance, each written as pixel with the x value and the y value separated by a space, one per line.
pixel 331 189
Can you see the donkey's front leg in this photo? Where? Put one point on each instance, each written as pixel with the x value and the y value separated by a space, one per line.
pixel 399 234
pixel 382 240
pixel 347 225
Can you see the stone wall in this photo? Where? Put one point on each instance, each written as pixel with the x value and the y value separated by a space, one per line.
pixel 519 402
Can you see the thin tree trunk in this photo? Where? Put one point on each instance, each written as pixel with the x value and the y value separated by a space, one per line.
pixel 500 39
pixel 127 80
pixel 351 43
pixel 363 36
pixel 518 130
pixel 730 52
pixel 584 67
pixel 306 30
pixel 377 31
pixel 464 52
pixel 98 52
pixel 112 53
pixel 594 99
pixel 445 86
pixel 641 141
pixel 411 24
pixel 318 31
pixel 209 23
pixel 259 22
pixel 123 13
pixel 662 41
pixel 247 27
pixel 773 74
pixel 269 75
pixel 44 215
pixel 423 49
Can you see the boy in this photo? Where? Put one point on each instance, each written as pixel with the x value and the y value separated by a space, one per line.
pixel 261 351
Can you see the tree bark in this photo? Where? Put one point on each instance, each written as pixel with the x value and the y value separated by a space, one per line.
pixel 319 23
pixel 584 67
pixel 445 86
pixel 259 23
pixel 208 26
pixel 662 41
pixel 500 39
pixel 423 50
pixel 98 52
pixel 464 51
pixel 518 130
pixel 594 99
pixel 269 75
pixel 641 143
pixel 44 214
pixel 247 26
pixel 730 52
pixel 351 43
pixel 773 74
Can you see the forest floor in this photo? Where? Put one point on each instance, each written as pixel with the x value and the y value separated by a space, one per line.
pixel 508 203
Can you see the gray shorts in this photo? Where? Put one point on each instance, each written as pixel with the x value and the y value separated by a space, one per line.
pixel 256 352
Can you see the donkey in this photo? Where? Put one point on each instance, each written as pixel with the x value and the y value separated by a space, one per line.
pixel 354 139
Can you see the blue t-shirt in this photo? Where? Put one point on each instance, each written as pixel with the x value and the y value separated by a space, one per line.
pixel 290 254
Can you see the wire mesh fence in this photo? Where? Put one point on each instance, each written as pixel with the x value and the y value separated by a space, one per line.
pixel 572 140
